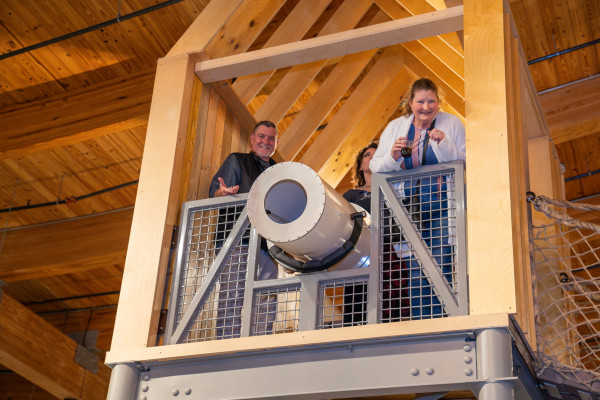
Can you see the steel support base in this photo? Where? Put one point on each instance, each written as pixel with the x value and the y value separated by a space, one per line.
pixel 481 362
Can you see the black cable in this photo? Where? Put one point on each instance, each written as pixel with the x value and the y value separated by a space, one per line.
pixel 119 18
pixel 69 200
pixel 559 53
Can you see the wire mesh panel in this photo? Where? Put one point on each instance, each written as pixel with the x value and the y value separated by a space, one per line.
pixel 220 314
pixel 343 302
pixel 226 285
pixel 415 255
pixel 566 272
pixel 276 310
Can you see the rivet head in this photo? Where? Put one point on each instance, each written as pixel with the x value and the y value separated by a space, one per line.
pixel 429 371
pixel 414 372
pixel 144 388
pixel 175 392
pixel 468 359
pixel 188 391
pixel 468 372
pixel 467 347
pixel 146 377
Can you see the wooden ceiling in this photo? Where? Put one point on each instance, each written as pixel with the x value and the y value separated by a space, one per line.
pixel 76 83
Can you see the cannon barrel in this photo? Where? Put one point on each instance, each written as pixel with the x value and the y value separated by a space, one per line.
pixel 309 226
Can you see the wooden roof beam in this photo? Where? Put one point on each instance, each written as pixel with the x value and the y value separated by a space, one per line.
pixel 370 125
pixel 65 247
pixel 36 350
pixel 334 45
pixel 242 28
pixel 415 7
pixel 205 27
pixel 439 55
pixel 299 77
pixel 322 102
pixel 292 29
pixel 377 81
pixel 93 111
pixel 572 111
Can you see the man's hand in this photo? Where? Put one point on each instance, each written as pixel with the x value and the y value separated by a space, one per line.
pixel 224 190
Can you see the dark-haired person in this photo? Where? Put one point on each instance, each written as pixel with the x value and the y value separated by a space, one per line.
pixel 434 137
pixel 394 276
pixel 361 193
pixel 236 175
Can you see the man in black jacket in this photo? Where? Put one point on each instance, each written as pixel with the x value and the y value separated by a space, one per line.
pixel 236 175
pixel 239 170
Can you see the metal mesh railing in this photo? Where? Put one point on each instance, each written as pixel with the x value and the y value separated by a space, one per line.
pixel 343 302
pixel 276 310
pixel 220 314
pixel 225 285
pixel 408 276
pixel 565 256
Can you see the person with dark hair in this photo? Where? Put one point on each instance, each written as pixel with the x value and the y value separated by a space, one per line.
pixel 393 274
pixel 236 175
pixel 424 135
pixel 361 194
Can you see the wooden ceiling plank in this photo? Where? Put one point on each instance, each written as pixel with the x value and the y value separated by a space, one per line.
pixel 83 114
pixel 322 102
pixel 65 247
pixel 376 81
pixel 455 100
pixel 572 111
pixel 242 28
pixel 205 27
pixel 299 77
pixel 337 44
pixel 36 350
pixel 374 121
pixel 292 29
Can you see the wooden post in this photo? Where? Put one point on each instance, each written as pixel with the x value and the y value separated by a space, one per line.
pixel 156 206
pixel 490 231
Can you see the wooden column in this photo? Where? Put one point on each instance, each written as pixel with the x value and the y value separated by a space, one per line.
pixel 156 208
pixel 489 226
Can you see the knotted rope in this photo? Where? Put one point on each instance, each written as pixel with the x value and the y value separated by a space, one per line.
pixel 542 204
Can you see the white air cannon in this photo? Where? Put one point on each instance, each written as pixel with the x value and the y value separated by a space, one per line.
pixel 308 225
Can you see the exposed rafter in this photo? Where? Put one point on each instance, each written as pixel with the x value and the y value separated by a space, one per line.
pixel 116 105
pixel 65 247
pixel 334 45
pixel 45 356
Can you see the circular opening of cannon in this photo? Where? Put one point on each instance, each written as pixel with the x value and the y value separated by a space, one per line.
pixel 285 202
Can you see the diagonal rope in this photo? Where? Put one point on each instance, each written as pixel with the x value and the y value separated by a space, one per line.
pixel 542 204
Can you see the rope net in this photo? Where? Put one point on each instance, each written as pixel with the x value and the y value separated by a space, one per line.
pixel 566 269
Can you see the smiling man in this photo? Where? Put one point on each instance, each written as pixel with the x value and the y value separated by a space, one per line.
pixel 239 170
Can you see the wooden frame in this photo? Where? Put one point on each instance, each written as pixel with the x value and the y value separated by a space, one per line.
pixel 491 146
